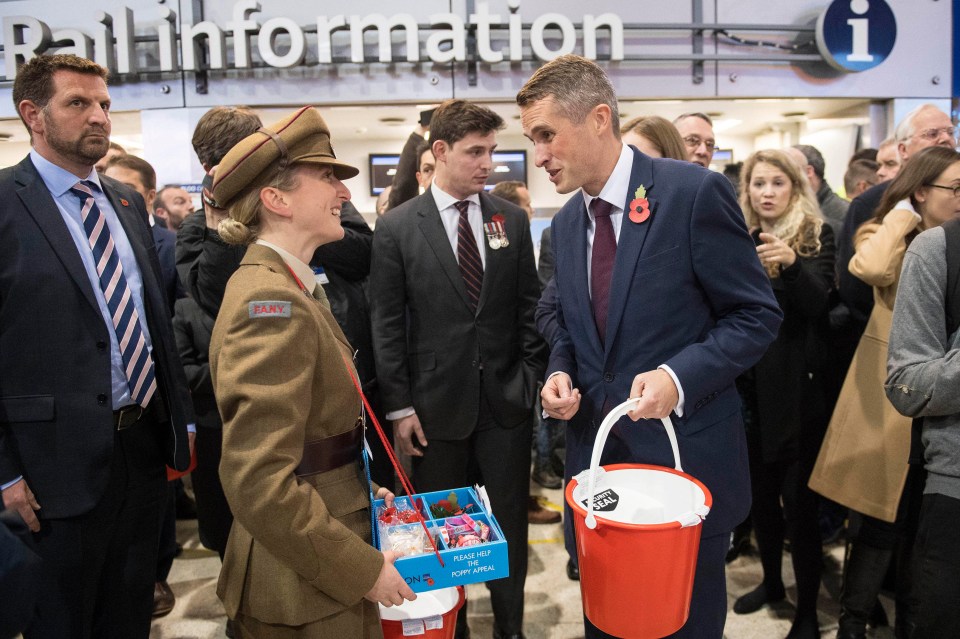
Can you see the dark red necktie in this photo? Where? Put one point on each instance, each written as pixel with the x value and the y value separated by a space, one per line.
pixel 601 263
pixel 468 256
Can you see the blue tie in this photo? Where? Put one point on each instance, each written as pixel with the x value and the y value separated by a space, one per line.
pixel 137 362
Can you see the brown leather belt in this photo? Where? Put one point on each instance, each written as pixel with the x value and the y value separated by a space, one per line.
pixel 322 455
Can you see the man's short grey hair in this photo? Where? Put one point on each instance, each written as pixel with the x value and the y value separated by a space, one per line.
pixel 905 129
pixel 693 114
pixel 814 158
pixel 576 84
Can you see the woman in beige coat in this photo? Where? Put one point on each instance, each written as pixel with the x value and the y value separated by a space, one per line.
pixel 863 461
pixel 298 562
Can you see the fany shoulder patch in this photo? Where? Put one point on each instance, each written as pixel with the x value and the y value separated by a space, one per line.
pixel 268 308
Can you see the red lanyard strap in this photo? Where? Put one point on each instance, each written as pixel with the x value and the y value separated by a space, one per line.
pixel 387 446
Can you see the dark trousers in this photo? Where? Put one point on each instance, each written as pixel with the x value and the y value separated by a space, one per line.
pixel 99 568
pixel 708 606
pixel 938 568
pixel 502 458
pixel 797 518
pixel 167 548
pixel 214 517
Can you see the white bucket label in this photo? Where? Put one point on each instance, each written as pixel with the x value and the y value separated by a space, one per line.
pixel 604 502
pixel 413 627
pixel 433 623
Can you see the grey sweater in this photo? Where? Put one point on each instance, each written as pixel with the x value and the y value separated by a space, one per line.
pixel 923 367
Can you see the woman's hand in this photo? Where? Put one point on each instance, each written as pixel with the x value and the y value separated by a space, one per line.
pixel 386 496
pixel 390 589
pixel 775 251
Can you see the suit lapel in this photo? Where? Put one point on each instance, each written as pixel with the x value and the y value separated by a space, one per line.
pixel 436 236
pixel 487 210
pixel 128 217
pixel 629 246
pixel 39 203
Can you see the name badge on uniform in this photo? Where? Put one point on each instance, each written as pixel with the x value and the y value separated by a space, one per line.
pixel 320 275
pixel 496 233
pixel 269 308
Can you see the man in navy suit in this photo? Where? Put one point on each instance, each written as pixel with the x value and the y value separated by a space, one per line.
pixel 84 431
pixel 660 296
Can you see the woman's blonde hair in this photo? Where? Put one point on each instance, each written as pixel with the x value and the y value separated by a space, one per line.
pixel 243 224
pixel 800 224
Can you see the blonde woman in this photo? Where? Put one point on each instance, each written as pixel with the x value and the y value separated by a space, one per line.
pixel 863 463
pixel 298 561
pixel 796 248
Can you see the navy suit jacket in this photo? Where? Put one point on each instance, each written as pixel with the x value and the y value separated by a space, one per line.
pixel 165 241
pixel 56 417
pixel 688 291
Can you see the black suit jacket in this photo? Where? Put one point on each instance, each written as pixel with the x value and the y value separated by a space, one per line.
pixel 165 241
pixel 56 418
pixel 205 263
pixel 430 345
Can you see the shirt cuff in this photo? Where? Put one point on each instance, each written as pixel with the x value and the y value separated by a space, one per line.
pixel 192 428
pixel 400 414
pixel 11 483
pixel 679 409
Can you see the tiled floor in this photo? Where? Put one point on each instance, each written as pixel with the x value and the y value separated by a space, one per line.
pixel 553 609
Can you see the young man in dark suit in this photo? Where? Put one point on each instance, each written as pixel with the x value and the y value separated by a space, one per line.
pixel 453 290
pixel 660 296
pixel 93 398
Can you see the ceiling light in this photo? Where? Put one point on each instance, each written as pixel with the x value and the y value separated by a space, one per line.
pixel 719 126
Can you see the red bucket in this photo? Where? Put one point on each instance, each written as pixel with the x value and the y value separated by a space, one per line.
pixel 432 615
pixel 638 534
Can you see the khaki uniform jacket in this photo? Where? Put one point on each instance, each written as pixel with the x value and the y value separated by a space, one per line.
pixel 299 550
pixel 863 460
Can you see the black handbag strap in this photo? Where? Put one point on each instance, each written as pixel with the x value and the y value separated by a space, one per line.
pixel 952 301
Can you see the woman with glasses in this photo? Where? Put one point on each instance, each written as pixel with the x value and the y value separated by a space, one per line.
pixel 864 460
pixel 796 248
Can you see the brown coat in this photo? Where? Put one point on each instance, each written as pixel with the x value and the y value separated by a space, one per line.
pixel 299 551
pixel 863 460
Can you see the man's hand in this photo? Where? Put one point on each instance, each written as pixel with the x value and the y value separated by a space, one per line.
pixel 390 589
pixel 404 430
pixel 19 497
pixel 657 392
pixel 559 399
pixel 191 442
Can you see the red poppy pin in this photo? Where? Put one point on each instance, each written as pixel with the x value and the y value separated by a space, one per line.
pixel 124 202
pixel 640 206
pixel 498 218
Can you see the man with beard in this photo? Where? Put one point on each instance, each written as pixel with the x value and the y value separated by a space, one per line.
pixel 93 398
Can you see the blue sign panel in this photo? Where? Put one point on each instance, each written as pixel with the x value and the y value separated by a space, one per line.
pixel 856 35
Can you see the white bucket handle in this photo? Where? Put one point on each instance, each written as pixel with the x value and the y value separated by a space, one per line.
pixel 608 422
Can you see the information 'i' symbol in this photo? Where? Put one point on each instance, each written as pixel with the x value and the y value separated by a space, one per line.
pixel 860 27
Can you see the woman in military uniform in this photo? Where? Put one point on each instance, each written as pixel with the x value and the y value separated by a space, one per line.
pixel 299 560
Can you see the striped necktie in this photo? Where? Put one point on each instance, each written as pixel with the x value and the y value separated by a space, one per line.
pixel 137 362
pixel 468 256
